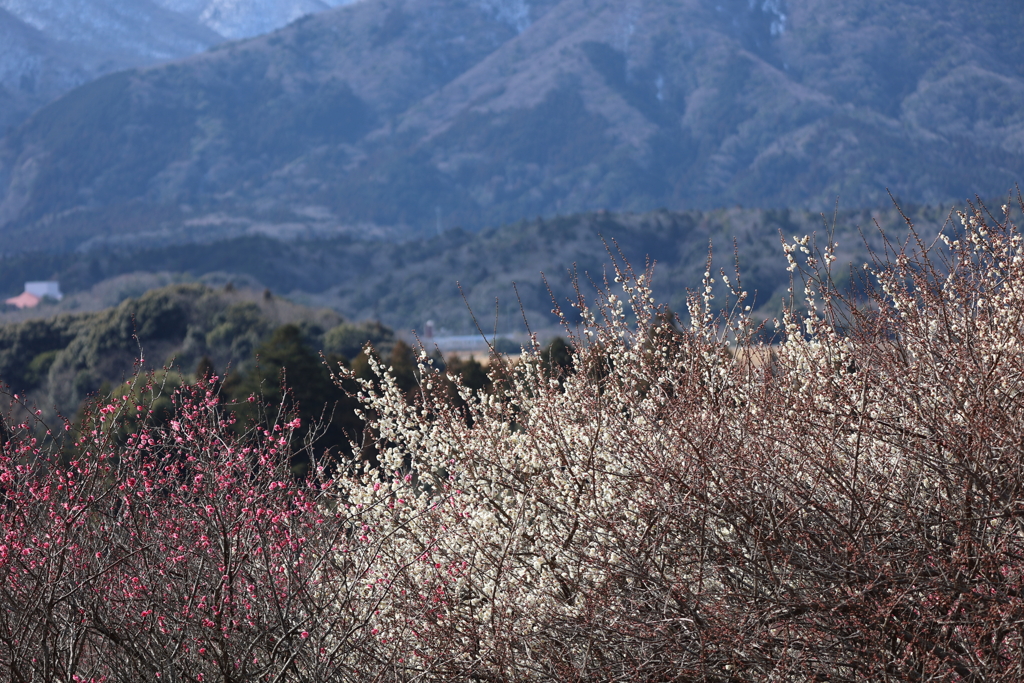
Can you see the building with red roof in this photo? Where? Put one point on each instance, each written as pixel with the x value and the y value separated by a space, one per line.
pixel 24 300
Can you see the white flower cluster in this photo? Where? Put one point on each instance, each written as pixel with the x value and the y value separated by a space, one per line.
pixel 691 504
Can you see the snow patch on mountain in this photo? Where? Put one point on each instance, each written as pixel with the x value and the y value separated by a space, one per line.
pixel 774 9
pixel 515 13
pixel 236 19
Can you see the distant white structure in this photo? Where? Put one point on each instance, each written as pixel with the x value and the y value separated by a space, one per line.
pixel 45 289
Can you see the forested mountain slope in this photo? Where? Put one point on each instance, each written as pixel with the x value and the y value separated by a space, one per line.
pixel 48 47
pixel 33 70
pixel 403 284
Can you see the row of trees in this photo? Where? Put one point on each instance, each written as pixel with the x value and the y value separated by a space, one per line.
pixel 289 377
pixel 679 503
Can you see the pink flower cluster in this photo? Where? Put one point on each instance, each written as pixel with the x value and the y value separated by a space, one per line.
pixel 184 552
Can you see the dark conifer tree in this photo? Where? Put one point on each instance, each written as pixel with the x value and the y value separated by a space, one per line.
pixel 403 366
pixel 290 376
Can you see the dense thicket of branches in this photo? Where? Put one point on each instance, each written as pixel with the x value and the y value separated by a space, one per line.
pixel 677 505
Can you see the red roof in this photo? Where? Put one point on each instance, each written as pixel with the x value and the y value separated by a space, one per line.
pixel 24 300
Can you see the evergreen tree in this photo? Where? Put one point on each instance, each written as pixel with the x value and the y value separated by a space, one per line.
pixel 403 366
pixel 290 377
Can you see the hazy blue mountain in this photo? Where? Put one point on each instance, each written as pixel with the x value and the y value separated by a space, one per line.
pixel 48 47
pixel 137 28
pixel 396 117
pixel 33 70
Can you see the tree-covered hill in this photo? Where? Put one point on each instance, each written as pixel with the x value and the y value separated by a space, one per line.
pixel 259 355
pixel 392 119
pixel 61 359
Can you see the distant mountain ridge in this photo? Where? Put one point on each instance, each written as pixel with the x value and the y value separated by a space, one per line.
pixel 404 284
pixel 133 27
pixel 399 117
pixel 48 47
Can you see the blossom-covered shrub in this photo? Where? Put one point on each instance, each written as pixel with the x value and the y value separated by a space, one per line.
pixel 678 503
pixel 689 505
pixel 180 552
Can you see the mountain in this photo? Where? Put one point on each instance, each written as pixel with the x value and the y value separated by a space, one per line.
pixel 138 29
pixel 33 70
pixel 399 117
pixel 52 46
